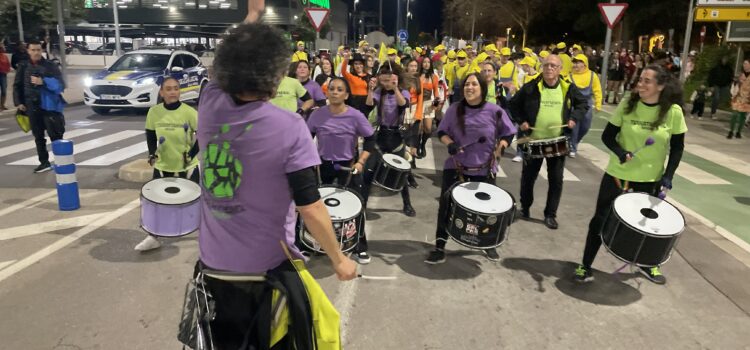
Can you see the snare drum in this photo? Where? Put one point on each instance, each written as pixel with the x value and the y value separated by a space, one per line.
pixel 547 148
pixel 641 229
pixel 347 214
pixel 170 207
pixel 480 215
pixel 391 172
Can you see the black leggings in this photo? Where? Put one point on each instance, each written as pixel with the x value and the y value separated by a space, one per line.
pixel 194 177
pixel 608 191
pixel 387 141
pixel 328 175
pixel 450 177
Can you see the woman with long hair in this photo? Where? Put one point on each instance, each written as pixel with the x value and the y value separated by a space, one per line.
pixel 326 73
pixel 414 113
pixel 357 78
pixel 428 79
pixel 465 122
pixel 653 111
pixel 301 71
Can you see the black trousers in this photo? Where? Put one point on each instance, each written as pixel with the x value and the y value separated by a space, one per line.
pixel 608 191
pixel 387 141
pixel 450 177
pixel 328 175
pixel 194 177
pixel 555 168
pixel 41 121
pixel 698 108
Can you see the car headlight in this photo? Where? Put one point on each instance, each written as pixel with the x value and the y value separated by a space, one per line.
pixel 145 81
pixel 88 81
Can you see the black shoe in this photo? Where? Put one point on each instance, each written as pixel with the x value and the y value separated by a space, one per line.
pixel 550 222
pixel 421 152
pixel 737 135
pixel 492 254
pixel 525 215
pixel 436 256
pixel 729 136
pixel 46 166
pixel 653 274
pixel 412 181
pixel 583 275
pixel 409 211
pixel 363 258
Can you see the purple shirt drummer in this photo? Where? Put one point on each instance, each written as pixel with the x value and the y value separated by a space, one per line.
pixel 487 121
pixel 337 135
pixel 390 113
pixel 316 93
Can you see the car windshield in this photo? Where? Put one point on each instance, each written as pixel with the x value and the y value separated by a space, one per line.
pixel 141 62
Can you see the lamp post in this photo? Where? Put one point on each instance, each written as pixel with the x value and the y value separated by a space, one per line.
pixel 20 21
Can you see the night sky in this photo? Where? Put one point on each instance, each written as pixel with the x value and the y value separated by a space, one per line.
pixel 427 13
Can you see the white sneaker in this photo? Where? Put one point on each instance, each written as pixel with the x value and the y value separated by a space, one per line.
pixel 700 118
pixel 572 154
pixel 517 159
pixel 149 243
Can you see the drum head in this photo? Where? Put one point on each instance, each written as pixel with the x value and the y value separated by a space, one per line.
pixel 341 203
pixel 396 161
pixel 649 214
pixel 482 198
pixel 171 191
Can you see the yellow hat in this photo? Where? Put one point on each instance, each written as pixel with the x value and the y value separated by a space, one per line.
pixel 452 54
pixel 528 50
pixel 439 47
pixel 300 43
pixel 461 54
pixel 482 57
pixel 468 47
pixel 561 45
pixel 341 48
pixel 582 58
pixel 490 47
pixel 392 51
pixel 505 51
pixel 529 61
pixel 363 43
pixel 544 54
pixel 577 47
pixel 418 49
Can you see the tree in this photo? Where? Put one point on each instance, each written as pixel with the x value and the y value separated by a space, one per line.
pixel 492 16
pixel 304 30
pixel 38 15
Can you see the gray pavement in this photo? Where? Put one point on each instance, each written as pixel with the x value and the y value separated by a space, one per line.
pixel 78 284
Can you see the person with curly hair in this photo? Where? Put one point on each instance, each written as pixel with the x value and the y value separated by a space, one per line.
pixel 257 164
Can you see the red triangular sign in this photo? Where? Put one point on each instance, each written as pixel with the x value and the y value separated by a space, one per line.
pixel 317 16
pixel 612 13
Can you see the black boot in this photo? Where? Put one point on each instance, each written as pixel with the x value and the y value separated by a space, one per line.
pixel 729 136
pixel 412 181
pixel 421 151
pixel 738 135
pixel 409 210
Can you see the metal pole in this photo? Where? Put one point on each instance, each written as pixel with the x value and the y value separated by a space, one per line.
pixel 473 19
pixel 118 48
pixel 605 57
pixel 61 39
pixel 398 19
pixel 407 15
pixel 380 20
pixel 20 21
pixel 686 44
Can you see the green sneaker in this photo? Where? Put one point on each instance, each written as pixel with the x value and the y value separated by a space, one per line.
pixel 583 275
pixel 653 274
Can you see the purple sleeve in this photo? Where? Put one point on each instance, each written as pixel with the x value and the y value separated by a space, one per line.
pixel 317 92
pixel 314 121
pixel 302 152
pixel 376 96
pixel 446 125
pixel 407 96
pixel 505 126
pixel 364 128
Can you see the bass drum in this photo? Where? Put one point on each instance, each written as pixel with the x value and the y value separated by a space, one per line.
pixel 170 207
pixel 480 215
pixel 346 211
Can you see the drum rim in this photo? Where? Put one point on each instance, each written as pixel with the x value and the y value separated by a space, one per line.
pixel 612 207
pixel 512 207
pixel 505 239
pixel 161 235
pixel 361 201
pixel 508 227
pixel 200 193
pixel 669 256
pixel 540 142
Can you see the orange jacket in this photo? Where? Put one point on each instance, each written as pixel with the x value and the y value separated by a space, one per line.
pixel 357 84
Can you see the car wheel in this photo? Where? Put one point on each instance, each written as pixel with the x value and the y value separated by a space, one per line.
pixel 101 110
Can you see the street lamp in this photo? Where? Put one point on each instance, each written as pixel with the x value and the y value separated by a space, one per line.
pixel 507 36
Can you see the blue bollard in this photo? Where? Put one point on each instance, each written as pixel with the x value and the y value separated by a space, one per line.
pixel 65 170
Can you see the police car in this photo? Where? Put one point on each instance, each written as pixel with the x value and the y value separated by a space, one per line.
pixel 133 81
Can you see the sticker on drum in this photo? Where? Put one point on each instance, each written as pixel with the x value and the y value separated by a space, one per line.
pixel 341 203
pixel 482 198
pixel 649 214
pixel 459 224
pixel 396 161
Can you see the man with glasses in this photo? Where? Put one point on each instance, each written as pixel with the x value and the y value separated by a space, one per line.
pixel 546 107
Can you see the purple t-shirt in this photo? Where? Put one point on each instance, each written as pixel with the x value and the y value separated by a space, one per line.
pixel 246 203
pixel 337 135
pixel 391 114
pixel 488 120
pixel 315 91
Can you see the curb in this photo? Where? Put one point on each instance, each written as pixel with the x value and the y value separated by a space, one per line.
pixel 136 171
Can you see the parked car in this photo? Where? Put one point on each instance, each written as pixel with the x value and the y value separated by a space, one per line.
pixel 108 49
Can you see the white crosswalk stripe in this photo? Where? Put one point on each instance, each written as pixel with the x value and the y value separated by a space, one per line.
pixel 567 175
pixel 117 156
pixel 719 158
pixel 86 146
pixel 12 136
pixel 29 145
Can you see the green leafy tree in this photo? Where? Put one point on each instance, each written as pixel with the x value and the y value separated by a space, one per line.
pixel 38 16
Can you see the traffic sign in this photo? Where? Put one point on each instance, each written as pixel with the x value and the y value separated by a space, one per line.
pixel 403 35
pixel 612 13
pixel 317 16
pixel 722 14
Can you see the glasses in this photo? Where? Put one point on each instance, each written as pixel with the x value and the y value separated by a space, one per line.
pixel 551 66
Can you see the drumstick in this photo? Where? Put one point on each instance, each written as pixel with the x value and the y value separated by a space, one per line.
pixel 379 278
pixel 161 142
pixel 649 141
pixel 523 140
pixel 481 139
pixel 558 126
pixel 338 167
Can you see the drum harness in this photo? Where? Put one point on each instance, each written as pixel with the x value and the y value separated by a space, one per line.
pixel 489 165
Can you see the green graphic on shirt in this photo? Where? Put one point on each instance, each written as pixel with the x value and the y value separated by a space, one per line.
pixel 222 171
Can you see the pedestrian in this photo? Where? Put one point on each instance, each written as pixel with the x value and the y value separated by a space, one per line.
pixel 301 71
pixel 653 112
pixel 4 70
pixel 740 103
pixel 719 81
pixel 326 73
pixel 258 163
pixel 615 75
pixel 357 77
pixel 588 84
pixel 698 99
pixel 175 123
pixel 429 79
pixel 300 54
pixel 288 94
pixel 21 55
pixel 37 90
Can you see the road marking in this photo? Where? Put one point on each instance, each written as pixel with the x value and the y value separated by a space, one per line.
pixel 719 158
pixel 65 241
pixel 4 264
pixel 567 175
pixel 86 146
pixel 28 202
pixel 47 226
pixel 117 156
pixel 594 154
pixel 428 162
pixel 13 135
pixel 30 145
pixel 699 176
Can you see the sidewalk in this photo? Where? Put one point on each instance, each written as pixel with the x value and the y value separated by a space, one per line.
pixel 73 92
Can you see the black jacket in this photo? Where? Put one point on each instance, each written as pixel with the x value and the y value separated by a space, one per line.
pixel 721 75
pixel 17 58
pixel 26 93
pixel 524 106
